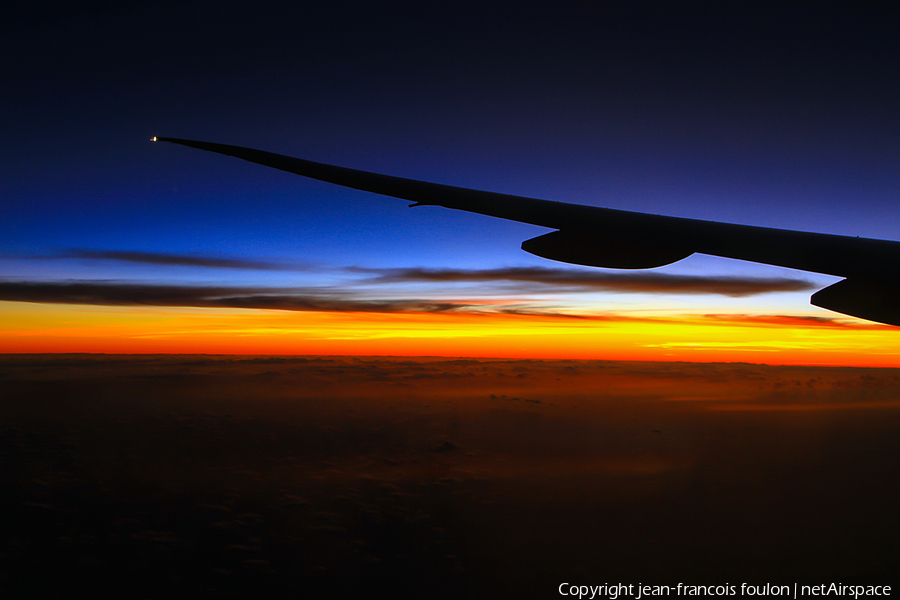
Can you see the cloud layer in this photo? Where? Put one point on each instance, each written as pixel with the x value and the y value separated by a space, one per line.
pixel 182 260
pixel 542 277
pixel 114 293
pixel 149 294
pixel 627 282
pixel 378 290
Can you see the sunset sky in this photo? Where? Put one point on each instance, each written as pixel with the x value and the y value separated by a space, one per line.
pixel 776 114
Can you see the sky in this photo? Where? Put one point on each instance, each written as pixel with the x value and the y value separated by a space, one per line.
pixel 777 114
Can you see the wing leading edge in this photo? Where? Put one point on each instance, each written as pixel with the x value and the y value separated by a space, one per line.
pixel 606 237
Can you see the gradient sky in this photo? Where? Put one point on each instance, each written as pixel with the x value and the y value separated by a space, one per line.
pixel 778 114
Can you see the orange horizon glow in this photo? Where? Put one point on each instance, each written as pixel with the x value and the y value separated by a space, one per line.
pixel 54 328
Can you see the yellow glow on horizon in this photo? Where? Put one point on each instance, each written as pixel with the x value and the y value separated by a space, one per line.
pixel 26 328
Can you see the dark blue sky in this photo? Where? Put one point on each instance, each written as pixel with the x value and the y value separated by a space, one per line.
pixel 780 114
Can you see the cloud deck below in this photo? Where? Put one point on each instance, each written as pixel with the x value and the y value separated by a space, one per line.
pixel 477 478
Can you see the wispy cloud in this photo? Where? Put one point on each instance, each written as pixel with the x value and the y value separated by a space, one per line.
pixel 113 293
pixel 578 280
pixel 532 279
pixel 118 293
pixel 796 321
pixel 380 290
pixel 183 260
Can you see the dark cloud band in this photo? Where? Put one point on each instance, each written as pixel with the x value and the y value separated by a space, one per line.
pixel 111 293
pixel 570 279
pixel 184 260
pixel 136 294
pixel 645 283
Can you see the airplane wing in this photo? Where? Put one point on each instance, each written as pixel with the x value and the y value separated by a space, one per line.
pixel 610 238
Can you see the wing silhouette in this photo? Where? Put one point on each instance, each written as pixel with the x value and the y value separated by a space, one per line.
pixel 606 237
